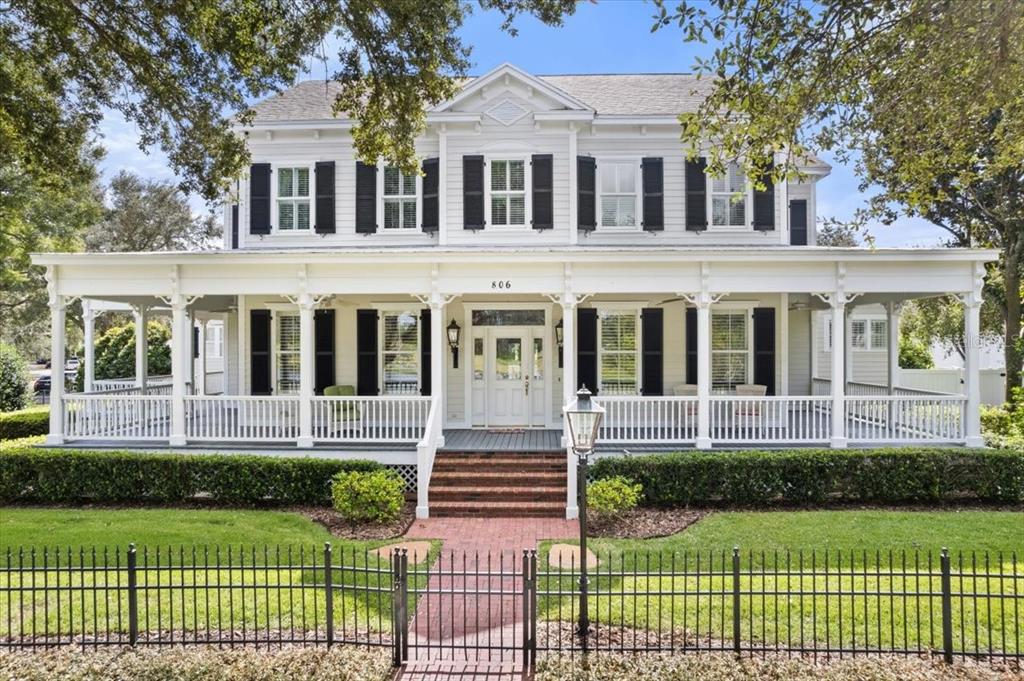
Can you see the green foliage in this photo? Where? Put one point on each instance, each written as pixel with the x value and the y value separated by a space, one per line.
pixel 914 353
pixel 374 496
pixel 613 495
pixel 1003 426
pixel 927 320
pixel 14 387
pixel 813 476
pixel 25 423
pixel 61 476
pixel 115 352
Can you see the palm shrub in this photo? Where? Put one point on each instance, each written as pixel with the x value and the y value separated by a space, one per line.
pixel 14 390
pixel 374 496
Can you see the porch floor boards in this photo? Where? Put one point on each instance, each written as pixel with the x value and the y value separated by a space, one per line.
pixel 502 440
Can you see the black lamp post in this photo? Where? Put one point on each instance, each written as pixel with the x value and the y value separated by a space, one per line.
pixel 454 332
pixel 584 418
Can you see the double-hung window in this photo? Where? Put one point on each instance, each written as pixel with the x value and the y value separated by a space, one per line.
pixel 865 334
pixel 618 187
pixel 858 334
pixel 879 334
pixel 399 196
pixel 730 349
pixel 400 357
pixel 288 363
pixel 729 199
pixel 293 203
pixel 618 352
pixel 508 192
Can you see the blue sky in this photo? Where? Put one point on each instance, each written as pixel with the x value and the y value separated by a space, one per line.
pixel 612 36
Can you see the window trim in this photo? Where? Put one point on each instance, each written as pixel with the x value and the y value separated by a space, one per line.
pixel 527 190
pixel 635 308
pixel 391 308
pixel 603 161
pixel 869 319
pixel 731 307
pixel 275 174
pixel 748 218
pixel 416 228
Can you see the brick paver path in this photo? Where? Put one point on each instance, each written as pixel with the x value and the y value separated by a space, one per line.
pixel 469 636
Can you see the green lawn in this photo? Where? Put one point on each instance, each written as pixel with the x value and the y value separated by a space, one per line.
pixel 864 606
pixel 255 594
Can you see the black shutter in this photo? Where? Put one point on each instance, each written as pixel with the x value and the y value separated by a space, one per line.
pixel 654 194
pixel 431 207
pixel 366 352
pixel 473 192
pixel 764 347
pixel 696 195
pixel 543 197
pixel 652 321
pixel 259 198
pixel 234 226
pixel 259 352
pixel 324 197
pixel 425 377
pixel 586 348
pixel 798 222
pixel 366 198
pixel 691 345
pixel 323 336
pixel 586 196
pixel 764 206
pixel 195 342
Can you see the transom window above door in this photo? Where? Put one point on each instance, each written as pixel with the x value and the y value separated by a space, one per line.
pixel 508 192
pixel 618 187
pixel 293 206
pixel 729 199
pixel 399 196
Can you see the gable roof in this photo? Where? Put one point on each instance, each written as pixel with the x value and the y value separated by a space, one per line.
pixel 636 94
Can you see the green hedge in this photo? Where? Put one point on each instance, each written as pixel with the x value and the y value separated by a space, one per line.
pixel 70 476
pixel 24 423
pixel 815 476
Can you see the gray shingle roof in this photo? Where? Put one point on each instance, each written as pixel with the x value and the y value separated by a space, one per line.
pixel 609 95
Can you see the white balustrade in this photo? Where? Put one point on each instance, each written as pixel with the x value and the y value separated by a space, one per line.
pixel 637 419
pixel 116 417
pixel 900 418
pixel 774 419
pixel 270 418
pixel 370 419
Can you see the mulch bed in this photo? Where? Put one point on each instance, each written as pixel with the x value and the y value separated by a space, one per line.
pixel 644 523
pixel 339 527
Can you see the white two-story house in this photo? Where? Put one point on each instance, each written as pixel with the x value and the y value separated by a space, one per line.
pixel 556 237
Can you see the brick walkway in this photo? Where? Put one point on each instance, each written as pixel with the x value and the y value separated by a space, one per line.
pixel 475 636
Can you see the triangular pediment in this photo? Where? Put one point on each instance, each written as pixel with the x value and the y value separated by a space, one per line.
pixel 507 94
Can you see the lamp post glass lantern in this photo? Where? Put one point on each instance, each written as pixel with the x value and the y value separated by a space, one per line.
pixel 454 333
pixel 584 418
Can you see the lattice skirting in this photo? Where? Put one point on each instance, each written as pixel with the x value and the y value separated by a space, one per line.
pixel 408 473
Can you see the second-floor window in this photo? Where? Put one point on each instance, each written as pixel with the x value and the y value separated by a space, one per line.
pixel 508 192
pixel 618 200
pixel 293 209
pixel 399 199
pixel 729 199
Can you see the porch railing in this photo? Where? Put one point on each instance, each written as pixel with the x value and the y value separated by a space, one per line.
pixel 648 419
pixel 117 417
pixel 823 386
pixel 370 419
pixel 267 418
pixel 936 418
pixel 770 419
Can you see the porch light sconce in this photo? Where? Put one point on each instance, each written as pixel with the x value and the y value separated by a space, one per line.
pixel 559 340
pixel 454 333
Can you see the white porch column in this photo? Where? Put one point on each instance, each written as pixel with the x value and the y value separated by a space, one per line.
pixel 847 344
pixel 703 372
pixel 426 450
pixel 892 327
pixel 181 342
pixel 569 301
pixel 89 320
pixel 838 302
pixel 141 347
pixel 58 305
pixel 307 369
pixel 972 369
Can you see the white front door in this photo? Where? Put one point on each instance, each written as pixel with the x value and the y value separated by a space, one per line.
pixel 509 381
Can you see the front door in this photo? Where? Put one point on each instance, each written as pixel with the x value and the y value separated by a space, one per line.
pixel 509 383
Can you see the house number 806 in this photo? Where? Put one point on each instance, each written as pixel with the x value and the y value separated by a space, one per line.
pixel 501 284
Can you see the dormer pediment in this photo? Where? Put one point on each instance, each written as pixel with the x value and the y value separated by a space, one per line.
pixel 507 94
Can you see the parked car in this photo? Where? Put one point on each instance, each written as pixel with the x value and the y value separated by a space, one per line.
pixel 72 364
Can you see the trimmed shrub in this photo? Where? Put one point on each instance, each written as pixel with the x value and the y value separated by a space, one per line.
pixel 25 423
pixel 14 389
pixel 368 496
pixel 614 495
pixel 815 476
pixel 57 476
pixel 1003 426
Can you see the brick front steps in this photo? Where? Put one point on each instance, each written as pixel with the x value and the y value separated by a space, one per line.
pixel 498 484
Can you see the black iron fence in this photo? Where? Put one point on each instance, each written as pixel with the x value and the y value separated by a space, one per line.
pixel 512 606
